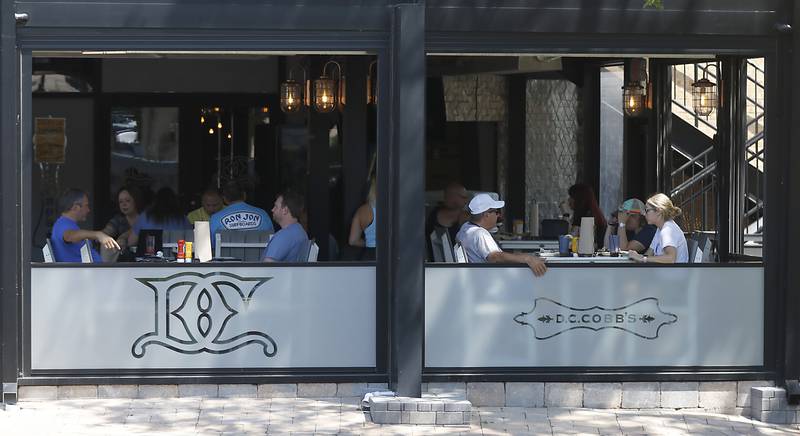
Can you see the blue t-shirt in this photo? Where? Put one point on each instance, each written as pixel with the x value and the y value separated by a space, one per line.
pixel 240 216
pixel 64 251
pixel 369 232
pixel 288 245
pixel 145 222
pixel 644 237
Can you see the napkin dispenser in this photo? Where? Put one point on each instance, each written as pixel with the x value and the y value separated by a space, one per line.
pixel 586 241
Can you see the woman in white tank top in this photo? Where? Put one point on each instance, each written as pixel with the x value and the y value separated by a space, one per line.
pixel 669 243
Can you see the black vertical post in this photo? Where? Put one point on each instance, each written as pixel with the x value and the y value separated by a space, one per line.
pixel 515 188
pixel 660 127
pixel 782 192
pixel 591 127
pixel 318 198
pixel 354 138
pixel 10 267
pixel 728 143
pixel 408 189
pixel 639 179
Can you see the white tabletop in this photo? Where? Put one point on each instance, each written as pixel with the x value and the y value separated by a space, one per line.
pixel 588 259
pixel 535 244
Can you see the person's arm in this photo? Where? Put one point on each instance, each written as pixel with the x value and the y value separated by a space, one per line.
pixel 669 256
pixel 277 249
pixel 358 225
pixel 633 246
pixel 74 236
pixel 534 263
pixel 122 239
pixel 110 229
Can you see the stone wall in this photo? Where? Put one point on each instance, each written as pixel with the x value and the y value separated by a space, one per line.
pixel 481 97
pixel 553 141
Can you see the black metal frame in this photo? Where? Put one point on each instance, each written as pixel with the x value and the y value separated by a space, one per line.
pixel 719 27
pixel 375 43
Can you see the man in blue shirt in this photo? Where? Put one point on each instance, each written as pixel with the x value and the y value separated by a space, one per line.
pixel 238 215
pixel 290 244
pixel 67 238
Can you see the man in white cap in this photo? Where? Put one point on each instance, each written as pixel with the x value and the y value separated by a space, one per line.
pixel 478 243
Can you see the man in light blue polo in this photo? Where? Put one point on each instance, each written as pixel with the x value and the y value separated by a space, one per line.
pixel 67 238
pixel 238 215
pixel 290 244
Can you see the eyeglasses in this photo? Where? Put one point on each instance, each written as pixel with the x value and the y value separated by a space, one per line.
pixel 650 209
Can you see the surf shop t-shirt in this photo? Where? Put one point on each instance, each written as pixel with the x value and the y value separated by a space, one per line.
pixel 240 216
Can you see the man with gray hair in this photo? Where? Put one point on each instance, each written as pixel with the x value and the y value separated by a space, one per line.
pixel 67 238
pixel 478 243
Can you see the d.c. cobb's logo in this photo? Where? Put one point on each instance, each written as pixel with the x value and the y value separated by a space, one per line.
pixel 192 311
pixel 643 318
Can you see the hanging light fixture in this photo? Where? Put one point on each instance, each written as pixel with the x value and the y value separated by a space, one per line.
pixel 633 98
pixel 326 92
pixel 634 93
pixel 704 95
pixel 292 94
pixel 372 89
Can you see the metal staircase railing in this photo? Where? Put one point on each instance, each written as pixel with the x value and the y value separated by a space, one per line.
pixel 755 147
pixel 693 182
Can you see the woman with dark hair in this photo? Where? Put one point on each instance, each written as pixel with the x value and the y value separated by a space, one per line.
pixel 163 214
pixel 584 204
pixel 129 202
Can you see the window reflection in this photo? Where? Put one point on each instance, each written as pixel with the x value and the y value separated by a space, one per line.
pixel 144 147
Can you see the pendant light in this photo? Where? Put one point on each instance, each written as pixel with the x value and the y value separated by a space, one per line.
pixel 704 94
pixel 326 93
pixel 292 94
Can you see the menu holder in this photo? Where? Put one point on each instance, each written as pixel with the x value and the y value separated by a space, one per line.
pixel 202 241
pixel 586 241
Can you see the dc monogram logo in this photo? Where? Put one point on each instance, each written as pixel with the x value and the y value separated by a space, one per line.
pixel 193 310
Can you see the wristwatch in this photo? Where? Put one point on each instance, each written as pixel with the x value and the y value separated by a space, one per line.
pixel 621 225
pixel 644 259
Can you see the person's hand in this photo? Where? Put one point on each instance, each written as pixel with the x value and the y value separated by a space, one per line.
pixel 107 242
pixel 622 216
pixel 537 265
pixel 632 254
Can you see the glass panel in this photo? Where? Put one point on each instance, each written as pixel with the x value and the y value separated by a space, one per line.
pixel 755 149
pixel 611 138
pixel 62 75
pixel 144 147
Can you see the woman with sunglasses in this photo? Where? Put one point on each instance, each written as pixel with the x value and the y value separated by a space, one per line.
pixel 669 244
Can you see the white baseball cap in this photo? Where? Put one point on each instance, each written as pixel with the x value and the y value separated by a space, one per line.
pixel 482 202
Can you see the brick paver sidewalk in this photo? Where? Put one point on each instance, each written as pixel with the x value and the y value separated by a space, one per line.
pixel 189 416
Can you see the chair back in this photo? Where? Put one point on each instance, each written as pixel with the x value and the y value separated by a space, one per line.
pixel 247 245
pixel 704 248
pixel 460 253
pixel 553 228
pixel 313 251
pixel 86 252
pixel 447 247
pixel 691 245
pixel 47 252
pixel 436 247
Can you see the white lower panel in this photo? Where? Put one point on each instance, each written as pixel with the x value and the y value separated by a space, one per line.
pixel 239 317
pixel 615 316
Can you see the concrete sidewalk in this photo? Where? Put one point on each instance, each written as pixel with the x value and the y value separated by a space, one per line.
pixel 284 416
